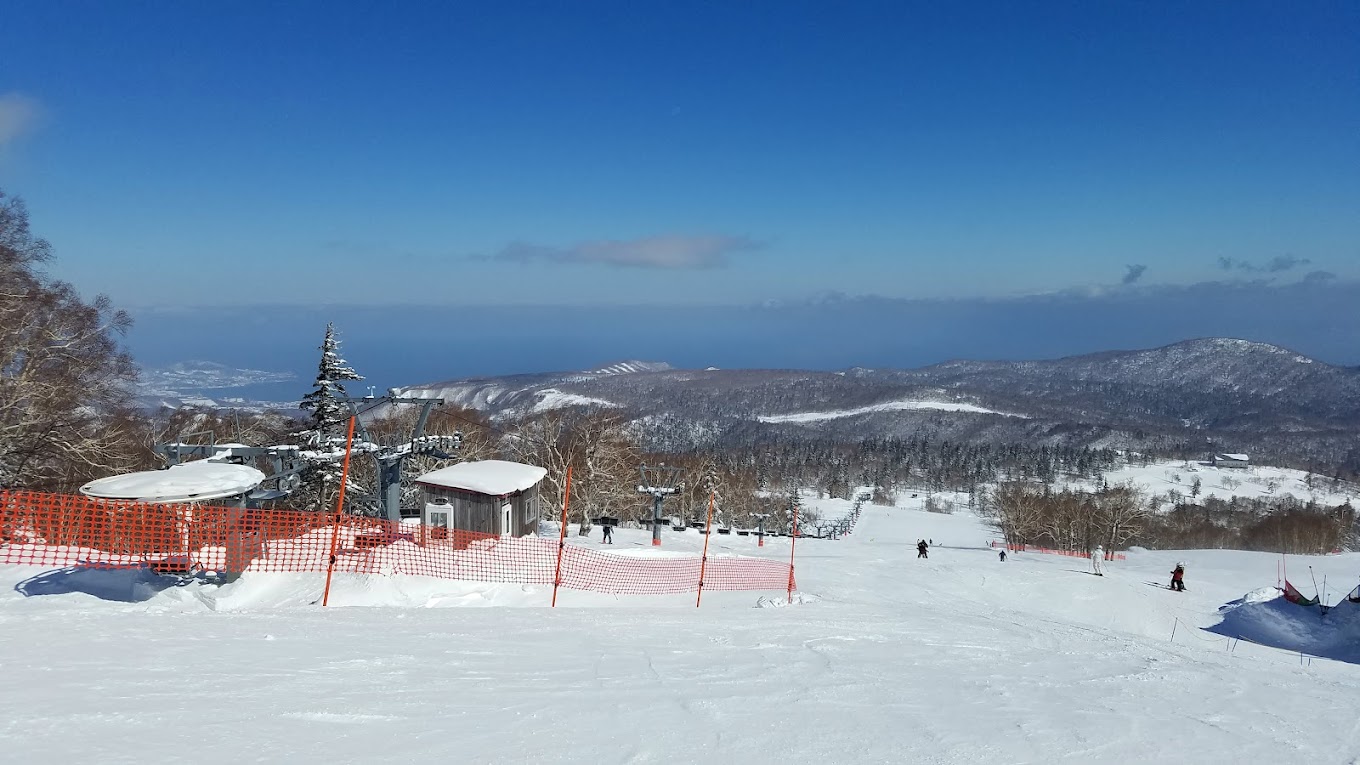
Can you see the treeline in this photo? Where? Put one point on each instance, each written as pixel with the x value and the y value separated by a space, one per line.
pixel 1280 524
pixel 900 464
pixel 1121 516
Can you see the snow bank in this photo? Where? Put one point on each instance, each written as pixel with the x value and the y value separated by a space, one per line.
pixel 1266 618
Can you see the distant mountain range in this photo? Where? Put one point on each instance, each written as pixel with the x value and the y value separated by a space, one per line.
pixel 1207 394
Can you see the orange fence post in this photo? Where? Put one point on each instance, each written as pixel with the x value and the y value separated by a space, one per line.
pixel 339 510
pixel 793 545
pixel 703 562
pixel 562 540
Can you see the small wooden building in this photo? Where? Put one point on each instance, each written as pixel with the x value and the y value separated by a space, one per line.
pixel 488 497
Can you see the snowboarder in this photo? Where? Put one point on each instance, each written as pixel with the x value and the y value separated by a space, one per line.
pixel 922 549
pixel 1003 555
pixel 1178 577
pixel 608 534
pixel 1098 561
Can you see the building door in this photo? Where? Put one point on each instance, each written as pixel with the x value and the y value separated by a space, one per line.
pixel 507 513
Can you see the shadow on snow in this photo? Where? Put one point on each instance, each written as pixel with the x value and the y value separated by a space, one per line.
pixel 1266 618
pixel 120 585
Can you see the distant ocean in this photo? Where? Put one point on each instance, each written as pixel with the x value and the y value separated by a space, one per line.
pixel 409 345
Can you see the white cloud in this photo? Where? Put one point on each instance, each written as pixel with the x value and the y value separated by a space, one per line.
pixel 19 114
pixel 668 252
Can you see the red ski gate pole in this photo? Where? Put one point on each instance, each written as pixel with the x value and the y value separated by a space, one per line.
pixel 339 509
pixel 793 545
pixel 562 540
pixel 703 562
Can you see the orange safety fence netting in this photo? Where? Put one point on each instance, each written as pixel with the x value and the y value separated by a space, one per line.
pixel 54 530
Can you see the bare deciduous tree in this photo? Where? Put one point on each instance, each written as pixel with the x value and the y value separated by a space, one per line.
pixel 65 382
pixel 599 449
pixel 1017 509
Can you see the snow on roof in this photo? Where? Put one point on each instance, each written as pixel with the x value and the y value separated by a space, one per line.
pixel 191 482
pixel 494 477
pixel 1236 457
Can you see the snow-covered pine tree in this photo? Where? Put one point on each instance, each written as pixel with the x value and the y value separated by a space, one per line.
pixel 330 415
pixel 712 483
pixel 795 509
pixel 328 412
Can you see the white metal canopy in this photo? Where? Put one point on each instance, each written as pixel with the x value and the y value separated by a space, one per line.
pixel 191 482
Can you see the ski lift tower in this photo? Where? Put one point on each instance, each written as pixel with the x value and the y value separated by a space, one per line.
pixel 390 458
pixel 760 527
pixel 659 481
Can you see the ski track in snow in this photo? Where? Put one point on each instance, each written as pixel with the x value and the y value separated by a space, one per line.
pixel 955 659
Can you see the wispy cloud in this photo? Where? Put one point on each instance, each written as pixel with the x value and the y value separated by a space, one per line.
pixel 19 114
pixel 1133 274
pixel 663 252
pixel 1275 265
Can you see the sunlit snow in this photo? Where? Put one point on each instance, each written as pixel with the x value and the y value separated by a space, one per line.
pixel 890 406
pixel 883 658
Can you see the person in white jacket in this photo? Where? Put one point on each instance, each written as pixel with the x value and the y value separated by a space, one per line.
pixel 1098 561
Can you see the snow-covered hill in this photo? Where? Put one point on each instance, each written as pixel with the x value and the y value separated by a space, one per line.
pixel 960 658
pixel 1215 393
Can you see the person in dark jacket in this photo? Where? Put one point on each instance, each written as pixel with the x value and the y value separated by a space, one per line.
pixel 608 534
pixel 1003 555
pixel 922 549
pixel 1178 577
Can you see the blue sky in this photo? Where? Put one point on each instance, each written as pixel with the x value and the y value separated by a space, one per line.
pixel 605 154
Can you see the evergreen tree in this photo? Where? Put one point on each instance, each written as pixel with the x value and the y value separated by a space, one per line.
pixel 329 416
pixel 795 509
pixel 328 412
pixel 712 483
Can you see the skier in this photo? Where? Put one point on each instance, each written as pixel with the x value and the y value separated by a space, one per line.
pixel 1003 555
pixel 1098 560
pixel 1178 577
pixel 608 534
pixel 921 549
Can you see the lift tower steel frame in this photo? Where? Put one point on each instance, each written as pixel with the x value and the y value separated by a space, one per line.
pixel 660 481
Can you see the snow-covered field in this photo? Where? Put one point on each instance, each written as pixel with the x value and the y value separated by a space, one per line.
pixel 883 658
pixel 889 406
pixel 1256 482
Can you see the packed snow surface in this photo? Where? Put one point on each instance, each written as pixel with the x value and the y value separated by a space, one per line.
pixel 880 658
pixel 889 406
pixel 494 477
pixel 193 481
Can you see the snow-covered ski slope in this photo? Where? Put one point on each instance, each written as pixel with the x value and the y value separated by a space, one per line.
pixel 887 659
